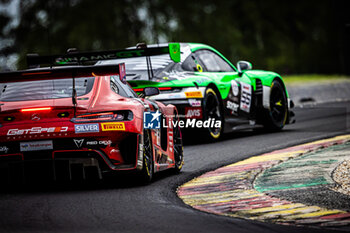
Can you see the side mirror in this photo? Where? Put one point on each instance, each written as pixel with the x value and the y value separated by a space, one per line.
pixel 242 66
pixel 149 91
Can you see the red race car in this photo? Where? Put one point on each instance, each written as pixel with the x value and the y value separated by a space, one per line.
pixel 82 122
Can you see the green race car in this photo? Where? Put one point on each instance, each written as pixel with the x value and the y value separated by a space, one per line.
pixel 202 84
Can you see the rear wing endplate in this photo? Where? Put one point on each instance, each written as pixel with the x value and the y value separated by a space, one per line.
pixel 173 49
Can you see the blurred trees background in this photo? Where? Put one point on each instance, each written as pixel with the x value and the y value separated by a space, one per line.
pixel 288 37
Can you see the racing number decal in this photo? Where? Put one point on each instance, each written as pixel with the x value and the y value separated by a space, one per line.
pixel 246 97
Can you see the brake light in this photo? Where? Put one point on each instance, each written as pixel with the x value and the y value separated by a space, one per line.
pixel 160 88
pixel 36 73
pixel 164 88
pixel 98 117
pixel 35 109
pixel 103 116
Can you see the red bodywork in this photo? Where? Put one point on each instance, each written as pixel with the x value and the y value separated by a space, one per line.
pixel 42 130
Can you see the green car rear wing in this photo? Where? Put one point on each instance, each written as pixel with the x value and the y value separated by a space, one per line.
pixel 34 60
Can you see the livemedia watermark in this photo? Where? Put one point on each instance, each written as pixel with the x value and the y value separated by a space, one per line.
pixel 152 120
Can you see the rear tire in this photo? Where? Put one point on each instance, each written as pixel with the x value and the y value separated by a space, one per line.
pixel 212 110
pixel 178 148
pixel 147 168
pixel 275 118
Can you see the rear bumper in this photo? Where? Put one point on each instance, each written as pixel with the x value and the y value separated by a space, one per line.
pixel 65 162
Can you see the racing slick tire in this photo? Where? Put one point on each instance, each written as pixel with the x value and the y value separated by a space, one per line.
pixel 147 168
pixel 212 109
pixel 178 148
pixel 275 117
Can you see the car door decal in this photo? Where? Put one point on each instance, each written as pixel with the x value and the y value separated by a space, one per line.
pixel 246 97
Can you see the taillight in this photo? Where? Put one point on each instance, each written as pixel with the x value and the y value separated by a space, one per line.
pixel 103 117
pixel 138 90
pixel 35 109
pixel 164 88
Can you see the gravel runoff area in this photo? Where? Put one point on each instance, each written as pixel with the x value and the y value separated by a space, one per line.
pixel 341 175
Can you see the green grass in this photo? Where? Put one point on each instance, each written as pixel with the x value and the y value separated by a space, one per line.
pixel 313 78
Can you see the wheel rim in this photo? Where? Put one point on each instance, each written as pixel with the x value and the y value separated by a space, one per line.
pixel 212 110
pixel 277 105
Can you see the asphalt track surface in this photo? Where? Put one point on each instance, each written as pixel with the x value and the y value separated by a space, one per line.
pixel 127 206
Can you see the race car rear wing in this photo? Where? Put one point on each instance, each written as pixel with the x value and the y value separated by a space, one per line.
pixel 62 72
pixel 173 49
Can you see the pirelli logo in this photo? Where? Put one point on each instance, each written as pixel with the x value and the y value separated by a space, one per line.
pixel 194 94
pixel 115 126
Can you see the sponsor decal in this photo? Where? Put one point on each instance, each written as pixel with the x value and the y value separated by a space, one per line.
pixel 114 126
pixel 34 146
pixel 102 56
pixel 234 88
pixel 157 134
pixel 202 80
pixel 246 97
pixel 96 143
pixel 232 106
pixel 194 102
pixel 170 132
pixel 37 130
pixel 193 113
pixel 4 149
pixel 78 142
pixel 174 96
pixel 194 94
pixel 151 120
pixel 87 128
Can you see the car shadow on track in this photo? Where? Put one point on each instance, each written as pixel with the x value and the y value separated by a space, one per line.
pixel 117 181
pixel 123 180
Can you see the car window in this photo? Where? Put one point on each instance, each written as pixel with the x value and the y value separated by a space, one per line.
pixel 121 88
pixel 190 64
pixel 45 89
pixel 213 62
pixel 136 67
